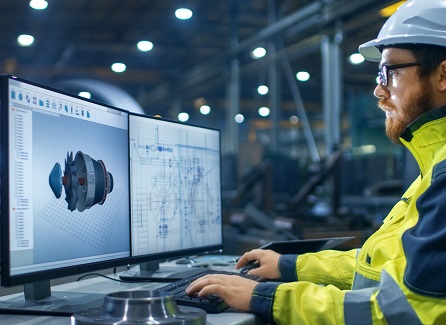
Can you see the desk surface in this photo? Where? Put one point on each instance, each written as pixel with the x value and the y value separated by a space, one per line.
pixel 100 285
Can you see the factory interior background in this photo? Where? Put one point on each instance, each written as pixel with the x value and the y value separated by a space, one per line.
pixel 304 150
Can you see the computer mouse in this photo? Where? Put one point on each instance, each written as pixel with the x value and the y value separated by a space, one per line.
pixel 249 266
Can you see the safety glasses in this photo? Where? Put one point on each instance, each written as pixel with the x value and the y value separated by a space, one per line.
pixel 383 72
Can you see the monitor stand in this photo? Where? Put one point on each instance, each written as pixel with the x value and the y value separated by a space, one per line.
pixel 154 272
pixel 39 300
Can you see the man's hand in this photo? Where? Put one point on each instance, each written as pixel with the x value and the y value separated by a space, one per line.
pixel 269 263
pixel 233 289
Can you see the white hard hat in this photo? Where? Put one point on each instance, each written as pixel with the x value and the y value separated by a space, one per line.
pixel 415 22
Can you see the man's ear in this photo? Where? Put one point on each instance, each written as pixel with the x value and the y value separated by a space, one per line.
pixel 442 80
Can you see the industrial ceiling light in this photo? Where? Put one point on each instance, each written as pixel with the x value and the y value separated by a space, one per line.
pixel 25 40
pixel 239 118
pixel 183 117
pixel 262 90
pixel 38 4
pixel 205 109
pixel 356 58
pixel 183 13
pixel 118 67
pixel 302 76
pixel 294 120
pixel 144 46
pixel 258 53
pixel 264 111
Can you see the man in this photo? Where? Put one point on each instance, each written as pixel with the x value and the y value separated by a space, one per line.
pixel 399 275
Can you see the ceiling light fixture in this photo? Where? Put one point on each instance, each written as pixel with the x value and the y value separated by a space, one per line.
pixel 258 53
pixel 183 13
pixel 302 76
pixel 262 90
pixel 264 111
pixel 118 67
pixel 38 4
pixel 239 118
pixel 356 58
pixel 25 40
pixel 205 109
pixel 183 117
pixel 144 46
pixel 294 120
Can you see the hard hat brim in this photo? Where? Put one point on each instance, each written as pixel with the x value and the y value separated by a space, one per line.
pixel 370 50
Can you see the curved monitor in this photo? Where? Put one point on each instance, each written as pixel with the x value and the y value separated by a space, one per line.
pixel 65 205
pixel 175 181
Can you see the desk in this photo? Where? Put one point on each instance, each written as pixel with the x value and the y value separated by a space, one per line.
pixel 100 285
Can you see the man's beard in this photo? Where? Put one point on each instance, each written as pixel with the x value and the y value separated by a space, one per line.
pixel 418 103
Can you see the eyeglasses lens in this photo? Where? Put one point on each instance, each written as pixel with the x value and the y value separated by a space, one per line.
pixel 383 75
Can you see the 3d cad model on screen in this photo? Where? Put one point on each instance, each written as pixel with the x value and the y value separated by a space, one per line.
pixel 86 181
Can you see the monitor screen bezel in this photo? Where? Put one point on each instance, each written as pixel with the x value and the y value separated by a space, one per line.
pixel 8 279
pixel 182 252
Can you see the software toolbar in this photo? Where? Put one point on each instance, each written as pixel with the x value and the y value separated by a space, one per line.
pixel 28 97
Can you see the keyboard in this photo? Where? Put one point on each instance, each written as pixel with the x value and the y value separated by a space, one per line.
pixel 212 303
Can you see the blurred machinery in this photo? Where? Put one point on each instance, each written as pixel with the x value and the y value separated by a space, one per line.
pixel 342 195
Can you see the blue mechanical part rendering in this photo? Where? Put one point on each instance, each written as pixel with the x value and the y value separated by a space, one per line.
pixel 86 181
pixel 55 180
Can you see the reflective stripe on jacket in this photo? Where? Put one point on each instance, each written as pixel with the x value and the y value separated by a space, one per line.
pixel 397 277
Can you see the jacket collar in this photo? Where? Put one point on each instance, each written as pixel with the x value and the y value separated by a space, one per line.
pixel 426 136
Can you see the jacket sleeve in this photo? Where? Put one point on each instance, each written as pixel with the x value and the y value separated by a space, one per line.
pixel 327 267
pixel 300 301
pixel 308 303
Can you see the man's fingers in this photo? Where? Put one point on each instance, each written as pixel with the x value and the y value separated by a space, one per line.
pixel 242 261
pixel 212 289
pixel 234 289
pixel 256 270
pixel 248 256
pixel 205 281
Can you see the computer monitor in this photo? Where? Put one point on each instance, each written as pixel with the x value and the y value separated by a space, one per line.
pixel 65 204
pixel 175 189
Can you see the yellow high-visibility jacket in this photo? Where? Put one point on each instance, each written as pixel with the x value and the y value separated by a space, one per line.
pixel 399 274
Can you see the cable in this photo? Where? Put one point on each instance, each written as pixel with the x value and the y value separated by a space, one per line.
pixel 101 275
